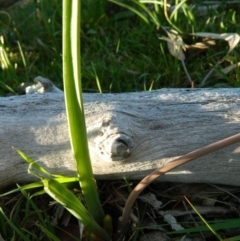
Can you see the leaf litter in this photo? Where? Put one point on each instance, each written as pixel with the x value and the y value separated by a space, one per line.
pixel 177 47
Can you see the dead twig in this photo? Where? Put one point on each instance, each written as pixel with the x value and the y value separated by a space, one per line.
pixel 170 166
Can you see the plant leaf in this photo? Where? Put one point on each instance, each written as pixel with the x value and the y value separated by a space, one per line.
pixel 232 38
pixel 18 231
pixel 174 43
pixel 32 163
pixel 224 71
pixel 203 219
pixel 134 10
pixel 65 197
pixel 217 225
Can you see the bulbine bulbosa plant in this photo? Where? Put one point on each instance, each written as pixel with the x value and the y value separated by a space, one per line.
pixel 92 216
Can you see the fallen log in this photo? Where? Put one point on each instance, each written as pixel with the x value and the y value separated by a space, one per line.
pixel 129 134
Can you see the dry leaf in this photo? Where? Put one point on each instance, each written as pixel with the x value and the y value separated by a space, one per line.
pixel 151 199
pixel 173 222
pixel 175 44
pixel 202 45
pixel 226 70
pixel 232 38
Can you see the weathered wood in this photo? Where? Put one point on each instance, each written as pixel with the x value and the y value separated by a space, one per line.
pixel 129 134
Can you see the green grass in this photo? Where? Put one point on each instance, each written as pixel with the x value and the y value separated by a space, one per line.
pixel 37 28
pixel 118 46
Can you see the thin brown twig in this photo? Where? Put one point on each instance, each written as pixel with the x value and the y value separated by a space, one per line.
pixel 170 166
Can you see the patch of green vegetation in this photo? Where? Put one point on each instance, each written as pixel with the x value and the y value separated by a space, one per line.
pixel 31 37
pixel 119 47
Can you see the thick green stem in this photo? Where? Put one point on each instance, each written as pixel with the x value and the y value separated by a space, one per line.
pixel 74 106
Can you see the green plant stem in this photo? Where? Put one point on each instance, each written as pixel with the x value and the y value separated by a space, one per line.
pixel 74 106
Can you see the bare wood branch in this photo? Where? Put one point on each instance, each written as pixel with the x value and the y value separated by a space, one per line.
pixel 129 134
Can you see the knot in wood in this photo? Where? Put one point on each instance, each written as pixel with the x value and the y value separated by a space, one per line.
pixel 115 147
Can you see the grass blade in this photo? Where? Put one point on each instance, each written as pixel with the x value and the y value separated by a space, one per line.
pixel 216 225
pixel 18 231
pixel 65 197
pixel 203 219
pixel 134 10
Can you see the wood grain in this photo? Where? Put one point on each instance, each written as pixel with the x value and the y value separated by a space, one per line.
pixel 129 134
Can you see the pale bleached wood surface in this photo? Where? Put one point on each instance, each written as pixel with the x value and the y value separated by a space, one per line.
pixel 129 134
